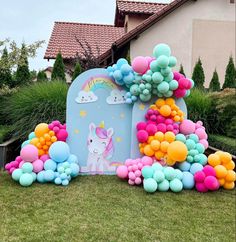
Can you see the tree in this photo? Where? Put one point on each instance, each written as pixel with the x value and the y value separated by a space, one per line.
pixel 22 72
pixel 214 84
pixel 181 69
pixel 230 75
pixel 58 71
pixel 5 70
pixel 77 71
pixel 41 76
pixel 198 75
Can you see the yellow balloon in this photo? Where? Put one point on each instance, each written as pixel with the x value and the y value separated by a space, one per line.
pixel 214 160
pixel 41 129
pixel 177 151
pixel 148 151
pixel 169 136
pixel 231 176
pixel 221 171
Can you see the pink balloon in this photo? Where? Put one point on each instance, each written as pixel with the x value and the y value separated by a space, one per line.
pixel 201 187
pixel 179 93
pixel 177 75
pixel 141 126
pixel 122 172
pixel 151 129
pixel 183 83
pixel 142 136
pixel 199 176
pixel 37 166
pixel 161 127
pixel 131 182
pixel 140 64
pixel 160 119
pixel 147 161
pixel 138 180
pixel 29 153
pixel 187 127
pixel 131 175
pixel 62 135
pixel 204 143
pixel 44 158
pixel 135 167
pixel 138 173
pixel 11 170
pixel 209 170
pixel 201 133
pixel 211 183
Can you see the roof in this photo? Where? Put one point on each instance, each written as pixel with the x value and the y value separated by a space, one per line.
pixel 132 7
pixel 147 23
pixel 64 35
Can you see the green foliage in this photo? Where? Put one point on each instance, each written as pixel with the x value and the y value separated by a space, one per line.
pixel 33 74
pixel 22 72
pixel 41 76
pixel 5 71
pixel 181 70
pixel 198 75
pixel 34 104
pixel 230 75
pixel 5 133
pixel 77 71
pixel 215 84
pixel 223 143
pixel 58 72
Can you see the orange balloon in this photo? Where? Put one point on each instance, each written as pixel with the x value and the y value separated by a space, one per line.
pixel 51 133
pixel 41 152
pixel 221 181
pixel 176 118
pixel 48 143
pixel 155 145
pixel 160 102
pixel 170 101
pixel 170 162
pixel 150 139
pixel 41 129
pixel 47 137
pixel 165 110
pixel 45 147
pixel 231 176
pixel 159 155
pixel 42 140
pixel 173 113
pixel 159 136
pixel 225 157
pixel 39 146
pixel 53 139
pixel 177 151
pixel 214 160
pixel 230 165
pixel 169 136
pixel 221 171
pixel 34 141
pixel 141 150
pixel 229 185
pixel 148 151
pixel 164 146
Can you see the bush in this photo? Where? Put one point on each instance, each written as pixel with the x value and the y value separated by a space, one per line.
pixel 34 104
pixel 223 143
pixel 5 69
pixel 230 75
pixel 215 84
pixel 198 75
pixel 41 76
pixel 77 71
pixel 58 71
pixel 200 107
pixel 5 133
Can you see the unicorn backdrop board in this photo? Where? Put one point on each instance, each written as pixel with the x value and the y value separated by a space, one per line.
pixel 98 122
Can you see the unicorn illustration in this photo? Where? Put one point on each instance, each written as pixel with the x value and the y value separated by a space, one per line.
pixel 100 149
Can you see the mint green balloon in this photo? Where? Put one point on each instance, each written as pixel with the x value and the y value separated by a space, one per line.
pixel 163 61
pixel 166 71
pixel 26 180
pixel 148 86
pixel 168 94
pixel 142 86
pixel 146 91
pixel 34 176
pixel 163 87
pixel 157 77
pixel 159 176
pixel 134 89
pixel 154 66
pixel 173 85
pixel 180 137
pixel 157 166
pixel 27 167
pixel 161 49
pixel 148 78
pixel 190 159
pixel 200 148
pixel 147 172
pixel 194 137
pixel 16 174
pixel 150 185
pixel 190 144
pixel 193 152
pixel 163 186
pixel 203 159
pixel 169 173
pixel 145 98
pixel 178 174
pixel 159 94
pixel 176 185
pixel 172 61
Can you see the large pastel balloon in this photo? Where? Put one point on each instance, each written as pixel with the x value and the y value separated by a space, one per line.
pixel 29 153
pixel 177 151
pixel 140 64
pixel 59 151
pixel 187 127
pixel 41 129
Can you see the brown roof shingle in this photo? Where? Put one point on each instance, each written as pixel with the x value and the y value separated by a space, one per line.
pixel 64 34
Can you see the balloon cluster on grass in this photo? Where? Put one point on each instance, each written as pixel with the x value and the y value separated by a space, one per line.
pixel 148 76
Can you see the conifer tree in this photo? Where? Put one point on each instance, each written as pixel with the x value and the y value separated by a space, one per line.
pixel 5 70
pixel 198 75
pixel 77 71
pixel 58 71
pixel 214 84
pixel 230 75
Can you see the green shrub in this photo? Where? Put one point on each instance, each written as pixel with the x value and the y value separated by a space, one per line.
pixel 5 133
pixel 34 104
pixel 77 71
pixel 230 75
pixel 214 84
pixel 5 69
pixel 223 143
pixel 198 75
pixel 58 71
pixel 41 76
pixel 200 107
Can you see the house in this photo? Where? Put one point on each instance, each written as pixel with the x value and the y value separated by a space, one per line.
pixel 192 28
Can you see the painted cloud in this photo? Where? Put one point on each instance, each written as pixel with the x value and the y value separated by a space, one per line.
pixel 116 97
pixel 86 97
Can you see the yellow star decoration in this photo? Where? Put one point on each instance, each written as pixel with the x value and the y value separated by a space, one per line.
pixel 76 131
pixel 141 107
pixel 118 139
pixel 122 115
pixel 82 113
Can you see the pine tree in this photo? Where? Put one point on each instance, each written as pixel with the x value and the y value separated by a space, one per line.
pixel 41 76
pixel 22 72
pixel 58 71
pixel 181 69
pixel 77 71
pixel 230 75
pixel 5 70
pixel 214 84
pixel 198 75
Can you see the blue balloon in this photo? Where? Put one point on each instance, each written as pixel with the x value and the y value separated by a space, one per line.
pixel 73 159
pixel 63 176
pixel 121 62
pixel 184 166
pixel 109 69
pixel 31 135
pixel 40 177
pixel 126 69
pixel 25 143
pixel 195 167
pixel 129 78
pixel 117 75
pixel 65 182
pixel 49 175
pixel 74 170
pixel 188 180
pixel 58 181
pixel 50 165
pixel 59 151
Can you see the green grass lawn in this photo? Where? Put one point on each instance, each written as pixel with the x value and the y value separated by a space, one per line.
pixel 103 208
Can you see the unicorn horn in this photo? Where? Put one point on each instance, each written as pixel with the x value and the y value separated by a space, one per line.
pixel 102 125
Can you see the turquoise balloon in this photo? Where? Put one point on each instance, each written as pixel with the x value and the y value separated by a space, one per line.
pixel 147 172
pixel 27 167
pixel 168 94
pixel 178 174
pixel 184 166
pixel 203 159
pixel 192 82
pixel 159 176
pixel 163 61
pixel 188 180
pixel 180 137
pixel 26 180
pixel 166 71
pixel 58 181
pixel 66 165
pixel 172 61
pixel 145 98
pixel 49 175
pixel 31 135
pixel 169 173
pixel 163 186
pixel 74 170
pixel 25 143
pixel 200 148
pixel 162 49
pixel 34 176
pixel 190 159
pixel 154 66
pixel 195 167
pixel 194 137
pixel 176 185
pixel 173 85
pixel 16 174
pixel 157 166
pixel 50 165
pixel 157 77
pixel 120 62
pixel 190 144
pixel 163 87
pixel 40 177
pixel 65 182
pixel 193 152
pixel 150 185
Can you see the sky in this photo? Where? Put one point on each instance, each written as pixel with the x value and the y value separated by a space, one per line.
pixel 32 20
